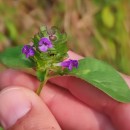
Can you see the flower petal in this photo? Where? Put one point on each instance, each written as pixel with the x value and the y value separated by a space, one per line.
pixel 50 46
pixel 43 48
pixel 75 63
pixel 28 51
pixel 31 52
pixel 69 64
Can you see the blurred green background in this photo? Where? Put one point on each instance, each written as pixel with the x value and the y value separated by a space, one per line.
pixel 97 28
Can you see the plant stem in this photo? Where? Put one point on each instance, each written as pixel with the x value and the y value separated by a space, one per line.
pixel 43 82
pixel 38 91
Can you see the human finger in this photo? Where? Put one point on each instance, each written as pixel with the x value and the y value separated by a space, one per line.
pixel 12 77
pixel 21 109
pixel 71 113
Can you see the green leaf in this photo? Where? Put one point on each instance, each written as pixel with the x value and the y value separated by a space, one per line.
pixel 13 33
pixel 104 77
pixel 13 58
pixel 108 17
pixel 41 75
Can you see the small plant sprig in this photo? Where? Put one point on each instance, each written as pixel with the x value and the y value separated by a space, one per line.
pixel 47 56
pixel 48 52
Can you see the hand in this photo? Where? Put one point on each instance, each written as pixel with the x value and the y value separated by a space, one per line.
pixel 66 103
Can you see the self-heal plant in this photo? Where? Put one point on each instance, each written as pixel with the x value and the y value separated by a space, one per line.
pixel 48 57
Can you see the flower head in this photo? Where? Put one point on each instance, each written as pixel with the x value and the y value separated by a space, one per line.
pixel 28 51
pixel 69 64
pixel 44 44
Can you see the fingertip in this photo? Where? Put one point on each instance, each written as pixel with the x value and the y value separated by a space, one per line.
pixel 127 79
pixel 20 107
pixel 74 55
pixel 69 111
pixel 14 105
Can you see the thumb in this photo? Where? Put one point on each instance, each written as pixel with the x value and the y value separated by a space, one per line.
pixel 21 109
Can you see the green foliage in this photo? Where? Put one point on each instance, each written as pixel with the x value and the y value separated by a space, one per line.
pixel 104 77
pixel 41 75
pixel 108 17
pixel 111 35
pixel 112 26
pixel 46 64
pixel 13 58
pixel 60 42
pixel 11 30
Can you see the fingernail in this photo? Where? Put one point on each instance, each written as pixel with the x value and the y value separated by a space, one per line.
pixel 14 104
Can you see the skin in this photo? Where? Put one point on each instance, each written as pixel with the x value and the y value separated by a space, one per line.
pixel 66 103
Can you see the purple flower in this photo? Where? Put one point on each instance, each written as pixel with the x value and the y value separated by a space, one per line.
pixel 28 51
pixel 44 44
pixel 69 64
